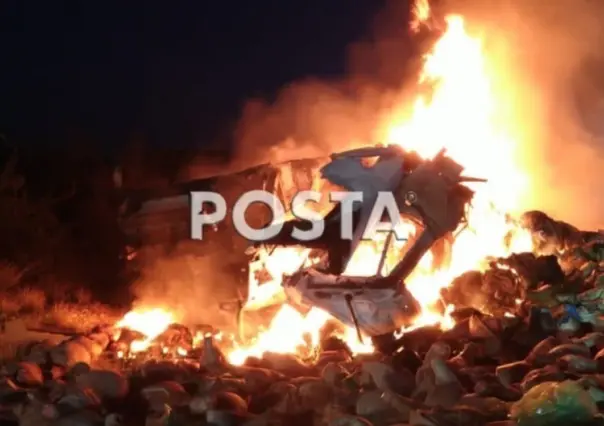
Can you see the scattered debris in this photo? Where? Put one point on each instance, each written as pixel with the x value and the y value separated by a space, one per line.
pixel 531 354
pixel 526 344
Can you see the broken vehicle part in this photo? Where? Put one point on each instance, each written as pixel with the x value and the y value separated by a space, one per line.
pixel 359 302
pixel 432 196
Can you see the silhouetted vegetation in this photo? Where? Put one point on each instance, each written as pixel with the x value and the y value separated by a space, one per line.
pixel 58 222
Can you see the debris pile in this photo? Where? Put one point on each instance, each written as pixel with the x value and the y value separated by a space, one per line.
pixel 529 350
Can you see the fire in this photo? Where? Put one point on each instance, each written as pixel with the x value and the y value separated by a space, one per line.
pixel 458 112
pixel 289 332
pixel 281 261
pixel 421 13
pixel 150 323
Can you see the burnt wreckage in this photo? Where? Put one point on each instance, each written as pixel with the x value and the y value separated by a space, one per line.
pixel 429 193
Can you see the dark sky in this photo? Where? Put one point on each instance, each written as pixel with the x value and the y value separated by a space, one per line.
pixel 176 72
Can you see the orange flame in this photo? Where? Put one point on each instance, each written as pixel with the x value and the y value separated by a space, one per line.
pixel 459 115
pixel 150 323
pixel 421 14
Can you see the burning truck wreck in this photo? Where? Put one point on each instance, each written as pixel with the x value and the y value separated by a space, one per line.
pixel 430 196
pixel 485 314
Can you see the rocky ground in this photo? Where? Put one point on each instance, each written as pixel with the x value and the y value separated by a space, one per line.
pixel 528 352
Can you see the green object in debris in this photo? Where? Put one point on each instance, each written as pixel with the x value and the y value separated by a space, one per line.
pixel 592 295
pixel 544 296
pixel 588 268
pixel 350 382
pixel 554 404
pixel 592 250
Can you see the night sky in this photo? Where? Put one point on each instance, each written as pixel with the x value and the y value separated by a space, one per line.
pixel 174 73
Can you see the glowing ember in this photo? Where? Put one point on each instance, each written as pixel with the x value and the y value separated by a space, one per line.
pixel 290 332
pixel 150 323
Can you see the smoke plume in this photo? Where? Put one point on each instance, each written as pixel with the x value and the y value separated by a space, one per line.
pixel 553 57
pixel 313 117
pixel 189 283
pixel 549 56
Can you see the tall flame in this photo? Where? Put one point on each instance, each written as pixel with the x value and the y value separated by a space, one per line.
pixel 459 114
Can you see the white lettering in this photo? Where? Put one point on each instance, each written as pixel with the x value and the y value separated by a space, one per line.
pixel 347 200
pixel 199 217
pixel 269 231
pixel 385 202
pixel 300 211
